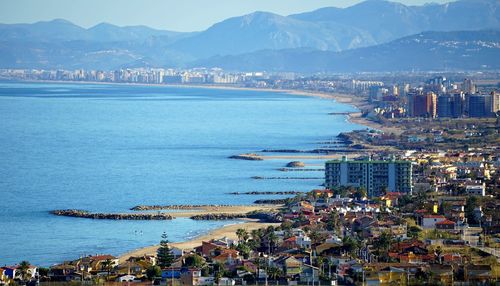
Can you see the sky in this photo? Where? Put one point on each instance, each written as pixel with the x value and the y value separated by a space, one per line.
pixel 175 15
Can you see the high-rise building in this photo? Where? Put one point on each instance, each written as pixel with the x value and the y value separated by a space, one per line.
pixel 450 105
pixel 495 101
pixel 375 176
pixel 468 86
pixel 480 105
pixel 422 105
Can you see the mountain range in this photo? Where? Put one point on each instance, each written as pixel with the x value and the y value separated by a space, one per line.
pixel 331 36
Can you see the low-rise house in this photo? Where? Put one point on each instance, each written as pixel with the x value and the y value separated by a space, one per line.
pixel 445 225
pixel 476 190
pixel 290 265
pixel 392 276
pixel 478 273
pixel 441 274
pixel 176 252
pixel 429 221
pixel 309 274
pixel 191 277
pixel 62 272
pixel 209 248
pixel 229 257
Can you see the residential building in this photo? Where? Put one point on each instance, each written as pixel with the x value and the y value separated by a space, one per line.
pixel 377 177
pixel 480 105
pixel 476 190
pixel 422 105
pixel 430 221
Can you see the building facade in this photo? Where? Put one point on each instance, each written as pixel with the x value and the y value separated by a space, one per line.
pixel 377 177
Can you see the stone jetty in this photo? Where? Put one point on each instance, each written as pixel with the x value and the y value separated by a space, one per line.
pixel 266 193
pixel 286 178
pixel 112 216
pixel 250 156
pixel 221 216
pixel 174 207
pixel 271 201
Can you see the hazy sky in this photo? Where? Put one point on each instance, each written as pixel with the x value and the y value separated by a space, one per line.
pixel 177 15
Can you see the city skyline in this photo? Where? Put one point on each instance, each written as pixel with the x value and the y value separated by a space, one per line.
pixel 185 16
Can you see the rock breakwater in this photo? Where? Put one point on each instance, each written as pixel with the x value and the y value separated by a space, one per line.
pixel 112 216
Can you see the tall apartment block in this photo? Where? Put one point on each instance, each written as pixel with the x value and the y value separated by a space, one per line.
pixel 375 176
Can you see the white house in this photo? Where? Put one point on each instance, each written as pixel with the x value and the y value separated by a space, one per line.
pixel 476 190
pixel 429 221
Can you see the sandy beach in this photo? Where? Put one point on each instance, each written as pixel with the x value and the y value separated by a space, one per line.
pixel 243 209
pixel 226 231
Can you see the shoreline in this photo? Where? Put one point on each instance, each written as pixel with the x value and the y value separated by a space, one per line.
pixel 228 231
pixel 343 98
pixel 249 224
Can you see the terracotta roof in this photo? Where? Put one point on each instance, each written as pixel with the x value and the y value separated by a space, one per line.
pixel 446 221
pixel 102 257
pixel 434 216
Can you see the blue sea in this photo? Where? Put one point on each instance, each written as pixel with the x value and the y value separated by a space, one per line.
pixel 107 148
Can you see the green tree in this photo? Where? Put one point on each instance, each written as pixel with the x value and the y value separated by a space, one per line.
pixel 107 265
pixel 242 234
pixel 383 243
pixel 23 268
pixel 471 203
pixel 164 253
pixel 350 245
pixel 153 272
pixel 274 272
pixel 194 261
pixel 244 249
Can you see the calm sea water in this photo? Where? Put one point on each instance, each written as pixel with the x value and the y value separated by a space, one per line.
pixel 109 147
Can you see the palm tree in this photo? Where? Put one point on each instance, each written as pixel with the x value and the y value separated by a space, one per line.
pixel 107 265
pixel 274 272
pixel 23 268
pixel 272 240
pixel 242 234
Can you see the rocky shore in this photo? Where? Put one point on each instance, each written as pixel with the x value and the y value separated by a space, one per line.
pixel 286 178
pixel 266 193
pixel 112 216
pixel 271 201
pixel 221 216
pixel 174 207
pixel 250 157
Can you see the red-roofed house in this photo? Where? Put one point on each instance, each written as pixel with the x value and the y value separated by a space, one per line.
pixel 429 221
pixel 228 257
pixel 445 225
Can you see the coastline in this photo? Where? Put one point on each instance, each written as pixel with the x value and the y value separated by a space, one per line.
pixel 353 117
pixel 228 231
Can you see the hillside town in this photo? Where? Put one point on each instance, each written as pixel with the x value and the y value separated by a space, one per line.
pixel 419 209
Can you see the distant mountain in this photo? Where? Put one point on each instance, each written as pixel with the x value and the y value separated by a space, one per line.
pixel 62 44
pixel 62 30
pixel 385 21
pixel 334 29
pixel 465 50
pixel 261 30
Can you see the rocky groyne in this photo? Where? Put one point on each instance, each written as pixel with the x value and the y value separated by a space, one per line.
pixel 266 193
pixel 112 216
pixel 250 157
pixel 271 201
pixel 222 216
pixel 260 215
pixel 174 207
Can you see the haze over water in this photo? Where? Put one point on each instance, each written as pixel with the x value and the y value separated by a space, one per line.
pixel 108 148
